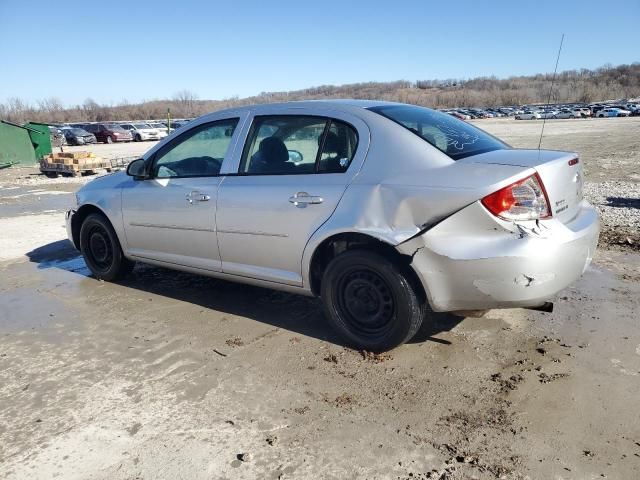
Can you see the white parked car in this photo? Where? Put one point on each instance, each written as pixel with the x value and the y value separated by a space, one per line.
pixel 141 131
pixel 584 111
pixel 528 115
pixel 567 113
pixel 163 131
pixel 549 114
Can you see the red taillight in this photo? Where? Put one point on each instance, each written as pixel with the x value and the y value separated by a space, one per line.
pixel 523 200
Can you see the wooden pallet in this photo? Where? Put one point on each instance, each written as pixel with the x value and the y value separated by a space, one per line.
pixel 72 163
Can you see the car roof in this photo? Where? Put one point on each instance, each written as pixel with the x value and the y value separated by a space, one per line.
pixel 338 104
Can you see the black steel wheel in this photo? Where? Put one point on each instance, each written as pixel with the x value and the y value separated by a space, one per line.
pixel 365 300
pixel 372 301
pixel 101 249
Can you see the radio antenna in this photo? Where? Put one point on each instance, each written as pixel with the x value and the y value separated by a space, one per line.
pixel 553 79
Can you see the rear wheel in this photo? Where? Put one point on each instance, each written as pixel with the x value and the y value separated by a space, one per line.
pixel 371 301
pixel 101 249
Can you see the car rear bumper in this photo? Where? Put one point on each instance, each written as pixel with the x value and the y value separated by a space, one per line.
pixel 474 261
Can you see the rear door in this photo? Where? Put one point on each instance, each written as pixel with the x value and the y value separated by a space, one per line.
pixel 290 176
pixel 170 217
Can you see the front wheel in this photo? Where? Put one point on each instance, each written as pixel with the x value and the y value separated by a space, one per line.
pixel 109 139
pixel 371 301
pixel 101 249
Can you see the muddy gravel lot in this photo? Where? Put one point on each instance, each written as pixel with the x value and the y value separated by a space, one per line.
pixel 174 376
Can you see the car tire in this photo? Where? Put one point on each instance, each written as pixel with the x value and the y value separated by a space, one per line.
pixel 109 139
pixel 138 138
pixel 101 249
pixel 372 302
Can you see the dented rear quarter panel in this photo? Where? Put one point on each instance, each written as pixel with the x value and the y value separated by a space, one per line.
pixel 411 196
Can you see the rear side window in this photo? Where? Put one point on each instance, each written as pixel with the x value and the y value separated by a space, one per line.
pixel 298 144
pixel 338 148
pixel 451 136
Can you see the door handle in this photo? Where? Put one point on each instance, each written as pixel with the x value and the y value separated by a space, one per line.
pixel 197 197
pixel 302 199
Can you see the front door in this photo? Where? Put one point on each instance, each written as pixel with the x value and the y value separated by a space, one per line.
pixel 170 216
pixel 291 176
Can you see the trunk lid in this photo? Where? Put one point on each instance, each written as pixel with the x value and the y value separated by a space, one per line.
pixel 560 172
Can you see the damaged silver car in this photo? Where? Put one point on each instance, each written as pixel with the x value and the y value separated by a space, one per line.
pixel 386 211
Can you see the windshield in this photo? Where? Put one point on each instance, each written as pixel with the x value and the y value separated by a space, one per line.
pixel 451 136
pixel 79 131
pixel 141 125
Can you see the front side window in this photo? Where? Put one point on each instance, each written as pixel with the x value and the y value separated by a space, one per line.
pixel 297 144
pixel 451 136
pixel 197 153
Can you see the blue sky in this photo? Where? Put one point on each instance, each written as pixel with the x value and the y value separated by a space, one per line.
pixel 141 50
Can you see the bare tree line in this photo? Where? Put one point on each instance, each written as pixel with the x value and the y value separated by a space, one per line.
pixel 584 85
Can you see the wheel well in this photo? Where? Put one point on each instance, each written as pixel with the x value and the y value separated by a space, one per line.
pixel 342 242
pixel 76 222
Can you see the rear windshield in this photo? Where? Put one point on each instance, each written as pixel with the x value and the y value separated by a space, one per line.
pixel 454 137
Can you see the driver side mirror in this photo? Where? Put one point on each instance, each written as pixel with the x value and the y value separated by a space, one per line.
pixel 137 169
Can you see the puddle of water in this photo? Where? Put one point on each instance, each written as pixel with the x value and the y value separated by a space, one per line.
pixel 75 265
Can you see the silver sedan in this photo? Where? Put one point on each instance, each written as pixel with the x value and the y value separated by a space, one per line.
pixel 386 211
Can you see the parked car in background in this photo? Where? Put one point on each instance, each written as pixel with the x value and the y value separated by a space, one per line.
pixel 567 113
pixel 548 113
pixel 107 133
pixel 78 136
pixel 584 111
pixel 179 124
pixel 56 136
pixel 527 115
pixel 635 113
pixel 141 131
pixel 162 129
pixel 458 115
pixel 613 112
pixel 464 114
pixel 287 196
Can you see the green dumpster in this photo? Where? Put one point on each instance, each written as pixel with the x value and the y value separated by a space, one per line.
pixel 40 138
pixel 16 145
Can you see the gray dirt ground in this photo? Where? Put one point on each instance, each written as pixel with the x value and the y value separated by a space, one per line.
pixel 169 375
